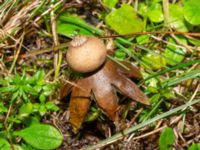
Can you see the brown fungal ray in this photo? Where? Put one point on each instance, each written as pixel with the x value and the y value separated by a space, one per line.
pixel 79 104
pixel 131 72
pixel 65 89
pixel 101 84
pixel 104 93
pixel 124 84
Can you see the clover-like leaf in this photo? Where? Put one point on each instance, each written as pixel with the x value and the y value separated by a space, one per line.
pixel 4 145
pixel 155 13
pixel 124 20
pixel 110 3
pixel 192 11
pixel 176 18
pixel 167 138
pixel 149 60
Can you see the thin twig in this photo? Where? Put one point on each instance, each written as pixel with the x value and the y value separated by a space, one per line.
pixel 48 10
pixel 17 54
pixel 166 12
pixel 149 133
pixel 57 56
pixel 40 51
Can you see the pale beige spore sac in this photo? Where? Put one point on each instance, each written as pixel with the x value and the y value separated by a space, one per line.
pixel 86 54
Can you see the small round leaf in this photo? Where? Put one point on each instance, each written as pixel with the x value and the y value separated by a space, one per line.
pixel 41 136
pixel 176 18
pixel 155 13
pixel 124 20
pixel 4 145
pixel 166 139
pixel 192 11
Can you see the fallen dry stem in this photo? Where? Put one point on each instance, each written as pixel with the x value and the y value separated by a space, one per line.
pixel 40 51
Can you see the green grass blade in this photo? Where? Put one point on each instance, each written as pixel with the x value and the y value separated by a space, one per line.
pixel 185 76
pixel 182 65
pixel 120 135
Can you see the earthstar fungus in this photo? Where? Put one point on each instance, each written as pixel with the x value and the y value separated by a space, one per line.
pixel 100 80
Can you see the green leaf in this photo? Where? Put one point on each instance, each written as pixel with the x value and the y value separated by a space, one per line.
pixel 194 147
pixel 152 89
pixel 25 110
pixel 71 30
pixel 27 147
pixel 195 42
pixel 182 77
pixel 166 139
pixel 5 81
pixel 2 108
pixel 124 20
pixel 142 39
pixel 92 116
pixel 150 60
pixel 42 110
pixel 1 126
pixel 51 106
pixel 155 13
pixel 152 82
pixel 29 90
pixel 36 107
pixel 42 98
pixel 142 9
pixel 30 120
pixel 25 97
pixel 173 54
pixel 192 11
pixel 18 147
pixel 155 98
pixel 14 97
pixel 41 136
pixel 38 88
pixel 176 18
pixel 48 89
pixel 168 94
pixel 17 79
pixel 120 54
pixel 135 128
pixel 181 65
pixel 39 77
pixel 72 20
pixel 8 89
pixel 110 3
pixel 4 145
